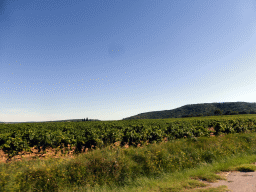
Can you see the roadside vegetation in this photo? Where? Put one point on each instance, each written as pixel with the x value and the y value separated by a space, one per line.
pixel 192 151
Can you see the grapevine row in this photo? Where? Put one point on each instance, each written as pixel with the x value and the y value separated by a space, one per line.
pixel 15 138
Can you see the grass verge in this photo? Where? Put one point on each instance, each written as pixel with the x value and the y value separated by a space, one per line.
pixel 177 165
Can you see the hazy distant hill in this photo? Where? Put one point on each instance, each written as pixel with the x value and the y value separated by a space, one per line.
pixel 204 109
pixel 68 120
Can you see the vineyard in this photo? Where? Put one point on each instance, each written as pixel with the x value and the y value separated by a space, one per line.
pixel 15 138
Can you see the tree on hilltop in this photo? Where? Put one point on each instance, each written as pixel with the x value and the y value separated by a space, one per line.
pixel 217 112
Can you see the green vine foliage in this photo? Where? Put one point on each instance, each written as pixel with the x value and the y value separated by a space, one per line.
pixel 15 138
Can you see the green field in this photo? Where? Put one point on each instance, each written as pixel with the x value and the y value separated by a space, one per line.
pixel 144 151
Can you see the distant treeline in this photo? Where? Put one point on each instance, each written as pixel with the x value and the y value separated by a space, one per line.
pixel 78 120
pixel 69 120
pixel 90 119
pixel 198 110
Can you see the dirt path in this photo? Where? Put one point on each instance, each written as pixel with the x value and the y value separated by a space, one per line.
pixel 236 181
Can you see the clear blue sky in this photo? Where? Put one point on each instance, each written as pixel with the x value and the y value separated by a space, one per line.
pixel 112 59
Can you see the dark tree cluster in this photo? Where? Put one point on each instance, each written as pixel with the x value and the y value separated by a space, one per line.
pixel 217 112
pixel 85 119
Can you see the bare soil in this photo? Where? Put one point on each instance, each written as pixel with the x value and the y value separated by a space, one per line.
pixel 49 152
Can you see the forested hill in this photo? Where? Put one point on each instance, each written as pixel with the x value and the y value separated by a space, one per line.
pixel 204 109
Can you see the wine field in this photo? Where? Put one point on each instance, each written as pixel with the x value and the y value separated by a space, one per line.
pixel 15 138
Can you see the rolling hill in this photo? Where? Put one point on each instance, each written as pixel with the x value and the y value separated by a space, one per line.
pixel 204 109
